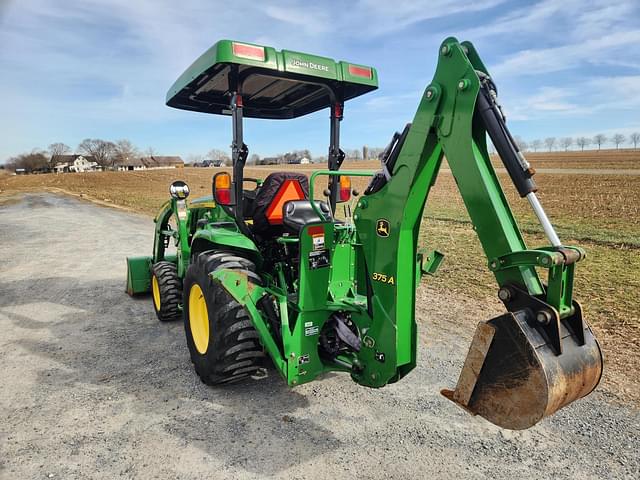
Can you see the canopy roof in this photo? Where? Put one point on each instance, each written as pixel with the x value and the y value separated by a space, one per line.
pixel 274 84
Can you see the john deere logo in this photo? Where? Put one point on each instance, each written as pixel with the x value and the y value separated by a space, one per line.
pixel 314 66
pixel 382 227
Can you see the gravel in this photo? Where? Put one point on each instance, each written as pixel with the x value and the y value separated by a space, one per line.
pixel 93 386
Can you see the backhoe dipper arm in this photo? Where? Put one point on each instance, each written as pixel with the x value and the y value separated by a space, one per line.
pixel 457 111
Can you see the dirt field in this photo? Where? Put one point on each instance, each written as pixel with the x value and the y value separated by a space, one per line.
pixel 598 212
pixel 93 386
pixel 603 159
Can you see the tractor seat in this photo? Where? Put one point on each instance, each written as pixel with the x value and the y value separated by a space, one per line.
pixel 298 213
pixel 268 206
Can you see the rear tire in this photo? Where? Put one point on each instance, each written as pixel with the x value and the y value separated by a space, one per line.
pixel 166 290
pixel 223 344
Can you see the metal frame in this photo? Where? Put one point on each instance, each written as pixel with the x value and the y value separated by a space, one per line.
pixel 240 150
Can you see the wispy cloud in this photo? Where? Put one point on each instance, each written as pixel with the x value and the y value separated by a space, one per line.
pixel 396 15
pixel 77 68
pixel 554 59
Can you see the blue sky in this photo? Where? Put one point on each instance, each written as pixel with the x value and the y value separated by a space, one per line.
pixel 71 69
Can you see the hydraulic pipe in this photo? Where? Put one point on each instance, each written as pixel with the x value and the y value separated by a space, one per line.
pixel 517 166
pixel 514 162
pixel 544 220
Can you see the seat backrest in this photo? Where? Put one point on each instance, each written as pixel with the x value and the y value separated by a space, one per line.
pixel 276 190
pixel 298 213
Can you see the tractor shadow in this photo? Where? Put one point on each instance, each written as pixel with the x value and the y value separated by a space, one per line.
pixel 96 335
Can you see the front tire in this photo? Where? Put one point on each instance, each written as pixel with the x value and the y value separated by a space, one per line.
pixel 166 290
pixel 223 344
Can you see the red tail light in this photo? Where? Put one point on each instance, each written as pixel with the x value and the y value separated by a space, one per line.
pixel 357 71
pixel 222 188
pixel 251 52
pixel 344 193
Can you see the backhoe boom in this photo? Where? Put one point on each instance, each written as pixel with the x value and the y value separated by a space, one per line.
pixel 529 352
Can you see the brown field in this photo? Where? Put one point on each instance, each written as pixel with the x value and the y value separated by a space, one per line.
pixel 604 159
pixel 598 212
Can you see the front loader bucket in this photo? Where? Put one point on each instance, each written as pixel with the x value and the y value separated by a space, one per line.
pixel 138 275
pixel 515 374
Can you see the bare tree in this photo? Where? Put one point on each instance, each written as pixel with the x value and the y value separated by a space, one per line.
pixel 583 142
pixel 253 159
pixel 618 139
pixel 123 151
pixel 150 152
pixel 216 154
pixel 56 150
pixel 550 143
pixel 566 142
pixel 536 145
pixel 635 139
pixel 600 139
pixel 522 143
pixel 365 152
pixel 103 151
pixel 34 160
pixel 374 152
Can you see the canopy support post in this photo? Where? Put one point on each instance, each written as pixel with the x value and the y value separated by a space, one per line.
pixel 336 156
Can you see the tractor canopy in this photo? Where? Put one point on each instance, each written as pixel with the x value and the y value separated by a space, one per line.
pixel 274 84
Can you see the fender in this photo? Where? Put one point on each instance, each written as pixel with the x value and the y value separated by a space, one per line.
pixel 228 239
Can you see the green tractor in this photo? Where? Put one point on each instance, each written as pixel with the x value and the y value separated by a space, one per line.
pixel 266 269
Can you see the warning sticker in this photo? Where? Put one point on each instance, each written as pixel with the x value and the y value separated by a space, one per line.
pixel 310 331
pixel 319 259
pixel 302 359
pixel 318 242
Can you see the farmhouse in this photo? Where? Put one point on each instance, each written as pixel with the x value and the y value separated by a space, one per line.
pixel 74 163
pixel 125 164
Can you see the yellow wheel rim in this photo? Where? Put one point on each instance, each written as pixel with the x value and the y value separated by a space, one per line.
pixel 198 319
pixel 155 288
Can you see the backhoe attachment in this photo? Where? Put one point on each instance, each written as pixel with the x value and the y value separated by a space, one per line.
pixel 515 373
pixel 539 356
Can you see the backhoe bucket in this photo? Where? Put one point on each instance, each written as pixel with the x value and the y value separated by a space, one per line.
pixel 515 373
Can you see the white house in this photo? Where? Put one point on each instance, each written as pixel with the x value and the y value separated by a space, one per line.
pixel 125 164
pixel 75 163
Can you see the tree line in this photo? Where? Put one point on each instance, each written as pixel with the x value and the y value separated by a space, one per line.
pixel 551 144
pixel 106 153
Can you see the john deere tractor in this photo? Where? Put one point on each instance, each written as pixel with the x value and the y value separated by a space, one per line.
pixel 266 268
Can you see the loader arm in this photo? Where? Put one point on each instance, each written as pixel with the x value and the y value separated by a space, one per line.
pixel 540 355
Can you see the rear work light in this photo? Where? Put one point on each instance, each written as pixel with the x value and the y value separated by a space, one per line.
pixel 242 50
pixel 222 188
pixel 344 194
pixel 356 71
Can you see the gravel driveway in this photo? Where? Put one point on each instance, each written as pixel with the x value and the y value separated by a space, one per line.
pixel 93 386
